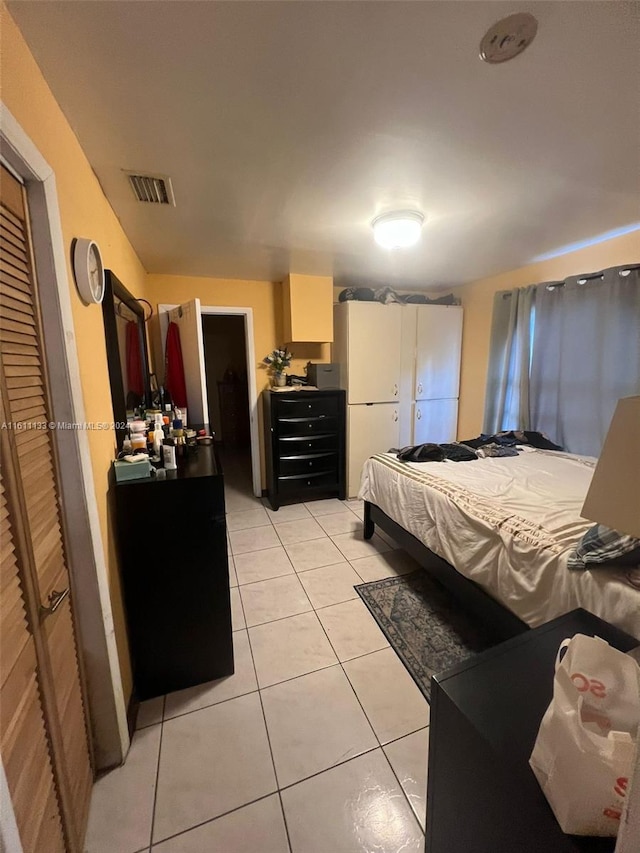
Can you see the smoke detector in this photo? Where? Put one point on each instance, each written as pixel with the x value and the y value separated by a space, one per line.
pixel 508 37
pixel 152 189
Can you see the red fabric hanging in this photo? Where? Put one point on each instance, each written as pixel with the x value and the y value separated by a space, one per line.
pixel 134 360
pixel 174 367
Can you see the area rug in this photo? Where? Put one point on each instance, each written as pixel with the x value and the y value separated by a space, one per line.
pixel 424 625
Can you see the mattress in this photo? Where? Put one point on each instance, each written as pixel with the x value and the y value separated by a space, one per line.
pixel 508 524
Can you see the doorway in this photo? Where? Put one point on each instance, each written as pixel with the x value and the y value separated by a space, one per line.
pixel 189 316
pixel 225 355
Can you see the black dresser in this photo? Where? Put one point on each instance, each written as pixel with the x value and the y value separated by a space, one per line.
pixel 172 543
pixel 304 445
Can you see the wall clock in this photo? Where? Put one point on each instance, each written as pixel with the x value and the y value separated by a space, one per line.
pixel 88 270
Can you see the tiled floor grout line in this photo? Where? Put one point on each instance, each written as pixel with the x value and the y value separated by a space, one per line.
pixel 266 728
pixel 268 687
pixel 366 716
pixel 280 789
pixel 396 777
pixel 155 789
pixel 286 825
pixel 247 628
pixel 211 819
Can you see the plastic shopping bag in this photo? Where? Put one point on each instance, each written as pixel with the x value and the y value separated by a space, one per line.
pixel 584 752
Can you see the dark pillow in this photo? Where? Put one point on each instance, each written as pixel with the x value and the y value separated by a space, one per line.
pixel 600 545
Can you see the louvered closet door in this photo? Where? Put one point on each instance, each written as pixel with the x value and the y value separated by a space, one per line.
pixel 36 501
pixel 23 737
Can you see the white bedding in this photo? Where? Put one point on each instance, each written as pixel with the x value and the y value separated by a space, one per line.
pixel 509 524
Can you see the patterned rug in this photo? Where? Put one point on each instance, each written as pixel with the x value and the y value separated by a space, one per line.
pixel 424 624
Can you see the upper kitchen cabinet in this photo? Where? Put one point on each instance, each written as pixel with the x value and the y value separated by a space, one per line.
pixel 308 308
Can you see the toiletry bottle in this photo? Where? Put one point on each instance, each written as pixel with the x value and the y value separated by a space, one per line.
pixel 126 445
pixel 158 438
pixel 169 456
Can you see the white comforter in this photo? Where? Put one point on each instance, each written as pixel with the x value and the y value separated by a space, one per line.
pixel 509 524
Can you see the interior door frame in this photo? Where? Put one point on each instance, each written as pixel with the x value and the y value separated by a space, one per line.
pixel 247 313
pixel 84 544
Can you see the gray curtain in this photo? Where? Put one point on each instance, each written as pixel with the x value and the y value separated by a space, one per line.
pixel 507 393
pixel 586 355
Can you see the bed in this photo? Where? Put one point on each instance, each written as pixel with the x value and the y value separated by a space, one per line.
pixel 498 533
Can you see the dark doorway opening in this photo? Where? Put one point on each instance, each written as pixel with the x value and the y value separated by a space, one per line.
pixel 225 355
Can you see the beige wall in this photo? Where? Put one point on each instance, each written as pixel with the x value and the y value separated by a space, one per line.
pixel 477 301
pixel 263 297
pixel 85 212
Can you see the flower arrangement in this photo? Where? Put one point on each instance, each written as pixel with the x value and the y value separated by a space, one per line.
pixel 278 359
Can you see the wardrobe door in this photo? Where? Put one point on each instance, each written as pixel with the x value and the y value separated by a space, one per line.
pixel 30 469
pixel 374 352
pixel 23 736
pixel 435 421
pixel 370 430
pixel 438 350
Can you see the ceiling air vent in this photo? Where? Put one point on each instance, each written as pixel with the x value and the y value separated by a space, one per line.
pixel 154 189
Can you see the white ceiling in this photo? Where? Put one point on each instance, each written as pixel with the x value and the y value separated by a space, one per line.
pixel 287 126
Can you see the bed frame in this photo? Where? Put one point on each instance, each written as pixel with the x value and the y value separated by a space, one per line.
pixel 500 621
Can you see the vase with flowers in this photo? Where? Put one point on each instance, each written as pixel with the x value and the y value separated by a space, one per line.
pixel 277 361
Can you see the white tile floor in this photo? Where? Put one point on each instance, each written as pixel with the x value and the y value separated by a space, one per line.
pixel 317 743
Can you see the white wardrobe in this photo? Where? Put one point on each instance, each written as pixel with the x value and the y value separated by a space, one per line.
pixel 400 367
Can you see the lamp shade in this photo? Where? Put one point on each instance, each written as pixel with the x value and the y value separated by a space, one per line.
pixel 613 498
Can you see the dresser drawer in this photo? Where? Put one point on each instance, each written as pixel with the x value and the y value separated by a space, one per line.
pixel 294 445
pixel 299 482
pixel 306 407
pixel 307 426
pixel 308 463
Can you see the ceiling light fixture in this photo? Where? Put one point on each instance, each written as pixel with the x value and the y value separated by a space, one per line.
pixel 397 230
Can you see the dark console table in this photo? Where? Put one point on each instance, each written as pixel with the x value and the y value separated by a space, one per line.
pixel 171 536
pixel 482 796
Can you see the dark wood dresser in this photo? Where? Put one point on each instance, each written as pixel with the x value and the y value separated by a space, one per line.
pixel 304 445
pixel 172 544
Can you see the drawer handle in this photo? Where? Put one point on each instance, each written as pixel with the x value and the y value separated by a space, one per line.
pixel 395 416
pixel 418 414
pixel 419 387
pixel 395 390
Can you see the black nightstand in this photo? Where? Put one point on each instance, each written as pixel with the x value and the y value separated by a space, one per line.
pixel 482 796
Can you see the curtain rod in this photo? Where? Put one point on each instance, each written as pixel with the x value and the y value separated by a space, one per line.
pixel 583 279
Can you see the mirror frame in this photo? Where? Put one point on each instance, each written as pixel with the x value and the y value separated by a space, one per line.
pixel 114 289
